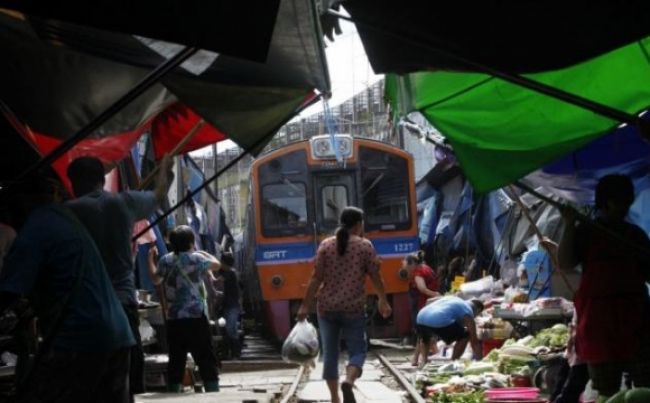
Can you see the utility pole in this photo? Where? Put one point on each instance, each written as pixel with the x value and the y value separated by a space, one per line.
pixel 215 184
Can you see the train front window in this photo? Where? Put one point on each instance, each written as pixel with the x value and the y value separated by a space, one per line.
pixel 334 199
pixel 384 189
pixel 333 192
pixel 284 208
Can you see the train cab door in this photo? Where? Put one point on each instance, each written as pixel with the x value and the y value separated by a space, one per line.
pixel 332 192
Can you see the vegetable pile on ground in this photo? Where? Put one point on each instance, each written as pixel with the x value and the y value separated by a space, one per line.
pixel 466 380
pixel 459 378
pixel 555 337
pixel 472 397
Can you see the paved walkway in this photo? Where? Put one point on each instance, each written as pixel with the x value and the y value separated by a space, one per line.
pixel 368 389
pixel 249 387
pixel 225 396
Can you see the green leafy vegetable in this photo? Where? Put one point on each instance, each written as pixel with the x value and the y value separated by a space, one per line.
pixel 473 397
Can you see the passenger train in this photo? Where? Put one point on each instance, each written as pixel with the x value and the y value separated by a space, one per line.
pixel 297 193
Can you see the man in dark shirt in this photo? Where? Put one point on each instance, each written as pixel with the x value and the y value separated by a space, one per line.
pixel 612 305
pixel 231 302
pixel 55 264
pixel 109 218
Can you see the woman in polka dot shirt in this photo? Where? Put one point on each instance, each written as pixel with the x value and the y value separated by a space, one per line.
pixel 340 269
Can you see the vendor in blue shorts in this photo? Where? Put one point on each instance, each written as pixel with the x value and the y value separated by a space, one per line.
pixel 452 320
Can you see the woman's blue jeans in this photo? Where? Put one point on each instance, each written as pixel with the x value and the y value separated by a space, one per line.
pixel 352 328
pixel 231 314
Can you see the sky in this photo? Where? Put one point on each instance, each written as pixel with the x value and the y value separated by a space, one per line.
pixel 348 65
pixel 349 70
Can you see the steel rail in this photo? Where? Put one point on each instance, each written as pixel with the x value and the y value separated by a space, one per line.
pixel 413 393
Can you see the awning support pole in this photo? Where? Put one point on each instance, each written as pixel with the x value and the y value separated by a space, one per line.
pixel 218 173
pixel 540 238
pixel 586 220
pixel 146 83
pixel 595 107
pixel 580 217
pixel 177 149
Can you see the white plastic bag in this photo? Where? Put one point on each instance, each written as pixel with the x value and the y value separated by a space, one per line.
pixel 301 346
pixel 478 287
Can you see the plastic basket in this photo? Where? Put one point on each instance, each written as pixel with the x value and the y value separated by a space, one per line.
pixel 512 393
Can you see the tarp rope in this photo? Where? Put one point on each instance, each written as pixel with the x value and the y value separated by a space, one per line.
pixel 330 126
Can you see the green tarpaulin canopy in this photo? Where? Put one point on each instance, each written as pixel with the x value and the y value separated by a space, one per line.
pixel 500 131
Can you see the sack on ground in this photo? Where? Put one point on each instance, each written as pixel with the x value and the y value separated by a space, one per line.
pixel 301 346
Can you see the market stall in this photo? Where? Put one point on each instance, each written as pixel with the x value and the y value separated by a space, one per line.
pixel 528 318
pixel 517 370
pixel 523 346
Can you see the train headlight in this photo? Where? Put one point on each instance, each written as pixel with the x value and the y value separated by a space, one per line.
pixel 322 147
pixel 277 281
pixel 403 274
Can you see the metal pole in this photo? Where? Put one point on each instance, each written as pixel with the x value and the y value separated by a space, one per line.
pixel 586 220
pixel 598 108
pixel 146 83
pixel 191 194
pixel 540 237
pixel 215 164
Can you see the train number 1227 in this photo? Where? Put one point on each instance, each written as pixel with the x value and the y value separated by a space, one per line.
pixel 404 247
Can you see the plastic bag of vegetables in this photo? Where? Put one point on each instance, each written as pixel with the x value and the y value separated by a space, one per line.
pixel 636 395
pixel 301 346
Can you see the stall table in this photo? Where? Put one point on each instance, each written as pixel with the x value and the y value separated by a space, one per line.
pixel 525 325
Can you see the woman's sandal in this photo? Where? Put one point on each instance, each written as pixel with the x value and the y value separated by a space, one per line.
pixel 348 394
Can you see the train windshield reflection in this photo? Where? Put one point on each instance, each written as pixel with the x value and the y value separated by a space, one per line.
pixel 384 189
pixel 284 208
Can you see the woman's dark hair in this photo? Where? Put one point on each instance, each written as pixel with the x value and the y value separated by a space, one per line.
pixel 181 239
pixel 415 258
pixel 227 259
pixel 614 187
pixel 350 216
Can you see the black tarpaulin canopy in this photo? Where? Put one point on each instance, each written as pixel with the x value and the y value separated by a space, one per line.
pixel 56 77
pixel 235 28
pixel 510 35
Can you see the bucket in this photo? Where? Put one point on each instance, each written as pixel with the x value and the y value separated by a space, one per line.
pixel 491 344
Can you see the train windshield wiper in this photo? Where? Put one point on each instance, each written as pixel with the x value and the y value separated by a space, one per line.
pixel 332 204
pixel 373 184
pixel 287 182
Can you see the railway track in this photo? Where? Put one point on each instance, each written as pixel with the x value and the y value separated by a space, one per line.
pixel 261 371
pixel 264 377
pixel 386 379
pixel 400 377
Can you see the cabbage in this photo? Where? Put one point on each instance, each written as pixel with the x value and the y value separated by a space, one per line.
pixel 492 356
pixel 477 368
